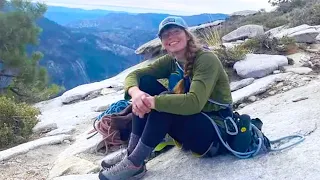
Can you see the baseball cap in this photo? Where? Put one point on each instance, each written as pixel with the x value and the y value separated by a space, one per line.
pixel 172 20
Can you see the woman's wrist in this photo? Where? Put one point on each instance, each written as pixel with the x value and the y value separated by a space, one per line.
pixel 133 90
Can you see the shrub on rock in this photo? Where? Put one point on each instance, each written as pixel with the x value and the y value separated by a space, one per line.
pixel 267 45
pixel 16 121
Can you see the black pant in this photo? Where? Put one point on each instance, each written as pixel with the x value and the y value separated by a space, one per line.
pixel 194 132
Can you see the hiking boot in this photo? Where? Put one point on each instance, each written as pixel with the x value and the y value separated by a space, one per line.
pixel 114 159
pixel 123 170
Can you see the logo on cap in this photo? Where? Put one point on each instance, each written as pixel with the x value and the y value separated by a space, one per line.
pixel 168 20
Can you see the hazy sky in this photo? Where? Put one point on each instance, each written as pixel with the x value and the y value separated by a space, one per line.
pixel 180 6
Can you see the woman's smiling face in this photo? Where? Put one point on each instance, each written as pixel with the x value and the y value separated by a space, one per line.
pixel 174 39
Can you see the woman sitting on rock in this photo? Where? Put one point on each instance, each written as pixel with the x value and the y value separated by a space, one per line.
pixel 175 111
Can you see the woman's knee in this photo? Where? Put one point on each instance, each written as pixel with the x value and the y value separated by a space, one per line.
pixel 150 85
pixel 145 82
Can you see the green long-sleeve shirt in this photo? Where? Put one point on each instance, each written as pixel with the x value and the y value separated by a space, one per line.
pixel 209 81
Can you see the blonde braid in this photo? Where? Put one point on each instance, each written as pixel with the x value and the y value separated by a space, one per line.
pixel 192 48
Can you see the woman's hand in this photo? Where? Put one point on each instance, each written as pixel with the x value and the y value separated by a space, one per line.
pixel 139 107
pixel 149 100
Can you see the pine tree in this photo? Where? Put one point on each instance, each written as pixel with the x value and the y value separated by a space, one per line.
pixel 18 31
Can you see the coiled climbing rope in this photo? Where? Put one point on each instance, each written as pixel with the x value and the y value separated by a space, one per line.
pixel 115 108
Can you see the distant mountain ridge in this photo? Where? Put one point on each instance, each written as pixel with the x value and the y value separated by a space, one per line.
pixel 139 21
pixel 75 58
pixel 65 15
pixel 96 44
pixel 133 30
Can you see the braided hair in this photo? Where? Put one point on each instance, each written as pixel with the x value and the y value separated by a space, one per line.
pixel 192 48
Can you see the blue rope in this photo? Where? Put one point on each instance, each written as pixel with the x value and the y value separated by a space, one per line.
pixel 115 108
pixel 301 138
pixel 260 138
pixel 226 145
